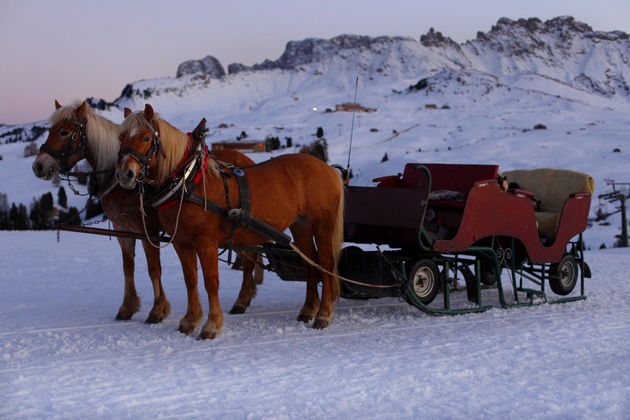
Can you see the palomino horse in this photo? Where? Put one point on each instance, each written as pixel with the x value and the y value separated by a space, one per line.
pixel 77 133
pixel 295 191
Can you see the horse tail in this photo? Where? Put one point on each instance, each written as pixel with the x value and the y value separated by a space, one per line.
pixel 337 238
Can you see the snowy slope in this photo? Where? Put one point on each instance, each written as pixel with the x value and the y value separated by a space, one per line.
pixel 63 356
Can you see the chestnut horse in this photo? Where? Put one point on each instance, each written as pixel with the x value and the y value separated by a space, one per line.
pixel 296 191
pixel 77 133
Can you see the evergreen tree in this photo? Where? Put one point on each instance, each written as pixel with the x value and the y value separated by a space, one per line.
pixel 47 202
pixel 13 216
pixel 36 214
pixel 62 198
pixel 22 218
pixel 73 216
pixel 4 212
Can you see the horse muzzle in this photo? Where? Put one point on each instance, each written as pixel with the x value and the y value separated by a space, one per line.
pixel 126 177
pixel 45 167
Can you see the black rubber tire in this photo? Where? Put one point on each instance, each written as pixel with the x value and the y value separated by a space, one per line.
pixel 424 280
pixel 563 275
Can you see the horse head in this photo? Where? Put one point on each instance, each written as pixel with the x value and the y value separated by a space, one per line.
pixel 139 146
pixel 66 143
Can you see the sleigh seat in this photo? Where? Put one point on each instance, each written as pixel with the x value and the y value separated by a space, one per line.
pixel 550 189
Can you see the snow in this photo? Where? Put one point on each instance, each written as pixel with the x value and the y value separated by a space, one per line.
pixel 62 355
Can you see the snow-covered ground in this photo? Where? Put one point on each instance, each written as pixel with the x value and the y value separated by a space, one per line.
pixel 63 356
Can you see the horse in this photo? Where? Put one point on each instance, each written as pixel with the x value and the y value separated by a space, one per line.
pixel 76 133
pixel 294 191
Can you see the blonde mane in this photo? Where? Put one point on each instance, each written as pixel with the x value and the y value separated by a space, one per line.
pixel 102 134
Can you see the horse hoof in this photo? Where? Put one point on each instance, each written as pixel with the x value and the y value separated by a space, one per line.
pixel 153 319
pixel 304 318
pixel 186 330
pixel 320 324
pixel 237 310
pixel 123 317
pixel 206 335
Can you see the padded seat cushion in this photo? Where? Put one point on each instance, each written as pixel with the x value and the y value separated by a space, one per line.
pixel 552 187
pixel 548 222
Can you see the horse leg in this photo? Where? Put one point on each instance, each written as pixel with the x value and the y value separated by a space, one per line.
pixel 161 307
pixel 329 291
pixel 194 312
pixel 248 287
pixel 302 236
pixel 209 258
pixel 131 301
pixel 259 270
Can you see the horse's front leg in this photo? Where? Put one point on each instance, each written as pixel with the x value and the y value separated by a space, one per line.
pixel 194 312
pixel 209 257
pixel 161 307
pixel 131 301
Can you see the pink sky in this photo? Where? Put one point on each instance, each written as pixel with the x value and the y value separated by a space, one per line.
pixel 72 49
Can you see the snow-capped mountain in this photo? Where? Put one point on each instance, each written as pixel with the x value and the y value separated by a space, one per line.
pixel 435 100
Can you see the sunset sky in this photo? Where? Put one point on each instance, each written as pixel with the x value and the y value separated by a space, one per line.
pixel 72 49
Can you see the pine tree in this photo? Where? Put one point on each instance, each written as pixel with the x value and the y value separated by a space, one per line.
pixel 22 218
pixel 62 198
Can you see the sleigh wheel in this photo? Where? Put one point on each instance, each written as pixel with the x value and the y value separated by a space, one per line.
pixel 423 281
pixel 563 275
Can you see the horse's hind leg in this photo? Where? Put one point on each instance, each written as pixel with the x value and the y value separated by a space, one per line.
pixel 194 312
pixel 326 260
pixel 248 287
pixel 303 239
pixel 161 307
pixel 131 301
pixel 330 284
pixel 209 258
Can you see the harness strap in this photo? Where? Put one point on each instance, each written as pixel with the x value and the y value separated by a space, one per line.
pixel 241 217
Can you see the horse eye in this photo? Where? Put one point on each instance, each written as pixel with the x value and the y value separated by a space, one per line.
pixel 64 133
pixel 146 139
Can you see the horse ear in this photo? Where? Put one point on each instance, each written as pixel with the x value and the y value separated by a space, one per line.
pixel 199 133
pixel 148 112
pixel 57 104
pixel 127 112
pixel 81 110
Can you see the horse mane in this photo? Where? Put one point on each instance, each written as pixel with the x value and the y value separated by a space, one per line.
pixel 102 133
pixel 174 142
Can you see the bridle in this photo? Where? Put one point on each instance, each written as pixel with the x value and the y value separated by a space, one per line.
pixel 144 159
pixel 67 151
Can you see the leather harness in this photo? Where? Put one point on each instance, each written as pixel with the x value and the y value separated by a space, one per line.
pixel 187 176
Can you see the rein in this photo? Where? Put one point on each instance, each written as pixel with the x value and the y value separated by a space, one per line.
pixel 63 155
